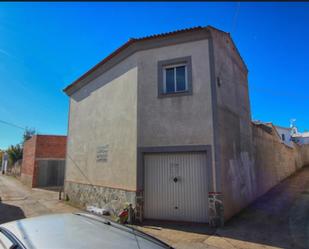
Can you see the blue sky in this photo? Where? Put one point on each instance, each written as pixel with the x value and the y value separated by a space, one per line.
pixel 45 46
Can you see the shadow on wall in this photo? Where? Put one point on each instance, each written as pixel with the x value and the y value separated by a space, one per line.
pixel 10 213
pixel 104 78
pixel 280 218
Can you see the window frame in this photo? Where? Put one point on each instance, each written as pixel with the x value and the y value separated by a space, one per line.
pixel 174 63
pixel 175 66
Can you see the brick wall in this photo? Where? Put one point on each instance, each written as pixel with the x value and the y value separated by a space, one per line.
pixel 38 147
pixel 27 168
pixel 51 146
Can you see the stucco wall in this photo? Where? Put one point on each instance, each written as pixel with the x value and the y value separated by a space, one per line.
pixel 121 108
pixel 104 113
pixel 179 120
pixel 250 160
pixel 233 119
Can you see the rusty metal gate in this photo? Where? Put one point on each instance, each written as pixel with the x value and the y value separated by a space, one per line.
pixel 50 173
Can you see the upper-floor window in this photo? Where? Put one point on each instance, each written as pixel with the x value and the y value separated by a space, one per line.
pixel 175 77
pixel 283 137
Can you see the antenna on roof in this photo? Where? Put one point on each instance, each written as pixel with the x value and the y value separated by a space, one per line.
pixel 292 122
pixel 293 126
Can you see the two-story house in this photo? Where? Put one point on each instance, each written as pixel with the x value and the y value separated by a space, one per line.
pixel 161 123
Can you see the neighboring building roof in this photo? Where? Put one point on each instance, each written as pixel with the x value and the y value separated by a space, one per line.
pixel 132 41
pixel 266 126
pixel 301 134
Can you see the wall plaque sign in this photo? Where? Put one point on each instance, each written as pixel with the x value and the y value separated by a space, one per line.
pixel 102 153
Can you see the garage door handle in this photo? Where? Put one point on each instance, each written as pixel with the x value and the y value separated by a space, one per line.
pixel 175 179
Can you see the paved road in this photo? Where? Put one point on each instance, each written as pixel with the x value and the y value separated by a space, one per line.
pixel 279 219
pixel 19 201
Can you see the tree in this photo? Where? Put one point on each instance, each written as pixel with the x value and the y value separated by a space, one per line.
pixel 15 153
pixel 28 134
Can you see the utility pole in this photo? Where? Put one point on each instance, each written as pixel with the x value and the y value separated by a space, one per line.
pixel 5 159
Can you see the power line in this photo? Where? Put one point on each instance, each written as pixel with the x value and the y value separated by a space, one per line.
pixel 235 18
pixel 80 170
pixel 11 124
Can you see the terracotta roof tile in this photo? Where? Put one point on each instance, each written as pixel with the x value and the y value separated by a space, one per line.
pixel 127 44
pixel 134 40
pixel 169 33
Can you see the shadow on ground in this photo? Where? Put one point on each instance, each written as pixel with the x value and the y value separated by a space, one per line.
pixel 197 228
pixel 280 218
pixel 10 213
pixel 51 188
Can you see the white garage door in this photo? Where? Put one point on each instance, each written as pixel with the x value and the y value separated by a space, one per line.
pixel 176 186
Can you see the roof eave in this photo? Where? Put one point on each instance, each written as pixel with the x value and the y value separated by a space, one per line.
pixel 113 54
pixel 69 90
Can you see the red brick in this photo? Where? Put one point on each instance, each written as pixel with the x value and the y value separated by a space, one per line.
pixel 38 147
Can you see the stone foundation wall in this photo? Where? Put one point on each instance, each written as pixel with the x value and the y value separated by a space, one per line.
pixel 102 197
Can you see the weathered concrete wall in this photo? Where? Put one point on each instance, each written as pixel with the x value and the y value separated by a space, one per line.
pixel 177 120
pixel 250 160
pixel 274 161
pixel 234 156
pixel 103 114
pixel 304 149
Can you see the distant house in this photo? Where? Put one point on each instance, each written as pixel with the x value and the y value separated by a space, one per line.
pixel 285 134
pixel 44 161
pixel 301 138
